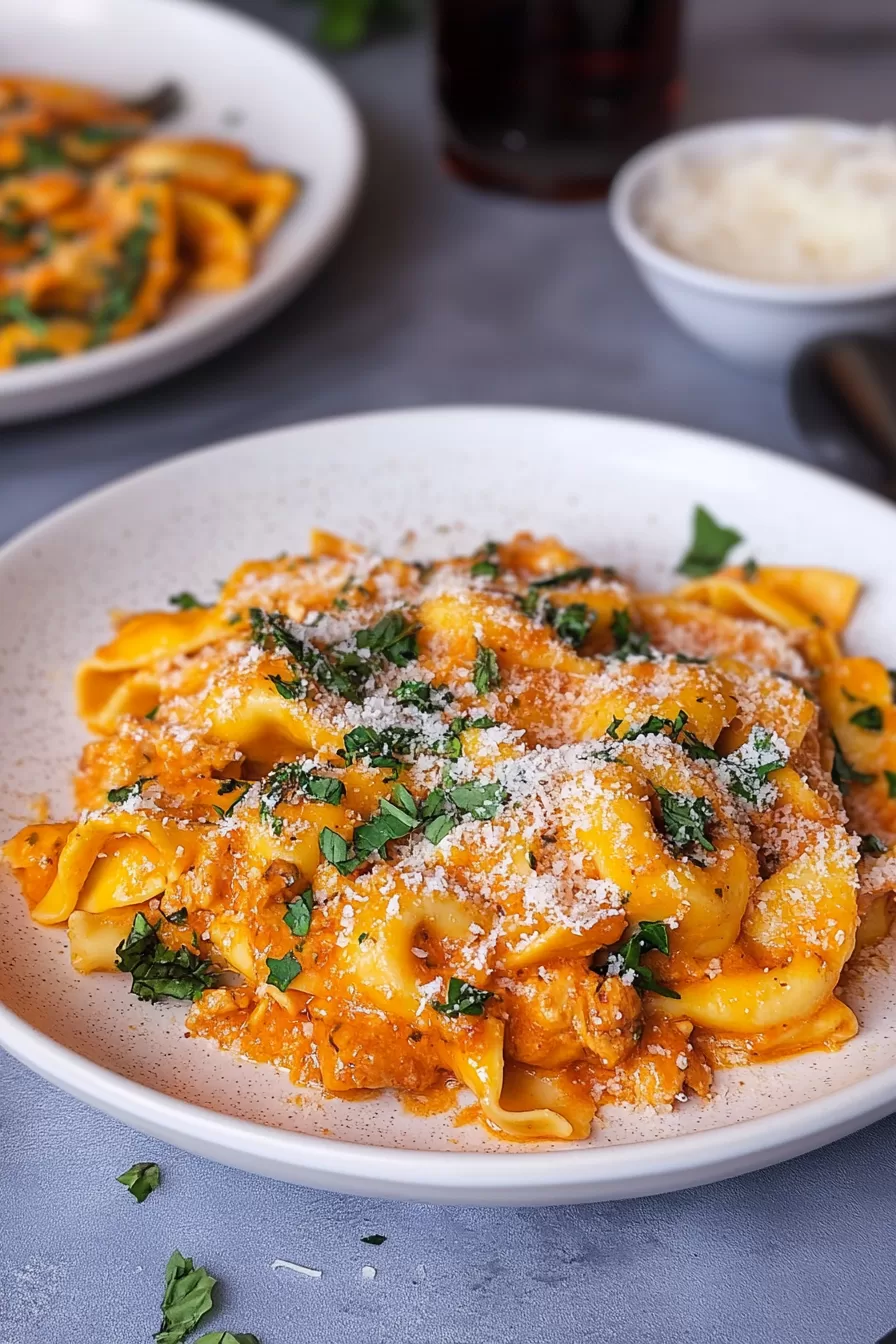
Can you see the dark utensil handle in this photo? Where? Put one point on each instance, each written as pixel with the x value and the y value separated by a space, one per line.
pixel 865 390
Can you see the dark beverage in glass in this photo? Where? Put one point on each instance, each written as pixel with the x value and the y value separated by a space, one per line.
pixel 550 97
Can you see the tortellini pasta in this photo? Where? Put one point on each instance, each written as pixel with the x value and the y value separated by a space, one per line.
pixel 498 823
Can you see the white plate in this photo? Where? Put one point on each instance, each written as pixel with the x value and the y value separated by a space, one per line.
pixel 620 490
pixel 292 114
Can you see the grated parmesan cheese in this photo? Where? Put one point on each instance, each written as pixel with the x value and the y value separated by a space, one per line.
pixel 812 209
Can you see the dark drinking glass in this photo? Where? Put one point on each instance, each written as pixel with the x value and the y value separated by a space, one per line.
pixel 549 97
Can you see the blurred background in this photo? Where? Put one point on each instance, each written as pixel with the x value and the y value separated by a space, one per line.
pixel 443 293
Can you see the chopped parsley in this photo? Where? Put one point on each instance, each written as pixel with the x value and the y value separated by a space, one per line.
pixel 486 673
pixel 629 643
pixel 486 564
pixel 129 790
pixel 422 695
pixel 15 308
pixel 463 1000
pixel 843 773
pixel 158 971
pixel 570 623
pixel 709 547
pixel 141 1179
pixel 294 777
pixel 393 820
pixel 297 689
pixel 151 713
pixel 685 819
pixel 40 151
pixel 890 776
pixel 231 786
pixel 398 817
pixel 14 223
pixel 125 279
pixel 382 749
pixel 106 135
pixel 188 1297
pixel 747 769
pixel 872 844
pixel 342 673
pixel 298 913
pixel 871 718
pixel 376 1239
pixel 750 570
pixel 283 970
pixel 187 602
pixel 581 574
pixel 393 638
pixel 37 354
pixel 655 725
pixel 482 802
pixel 649 936
pixel 454 747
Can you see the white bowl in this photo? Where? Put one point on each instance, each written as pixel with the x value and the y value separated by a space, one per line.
pixel 762 325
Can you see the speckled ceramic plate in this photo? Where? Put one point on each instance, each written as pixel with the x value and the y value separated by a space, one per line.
pixel 239 81
pixel 619 490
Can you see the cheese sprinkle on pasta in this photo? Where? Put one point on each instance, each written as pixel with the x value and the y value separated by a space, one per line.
pixel 498 822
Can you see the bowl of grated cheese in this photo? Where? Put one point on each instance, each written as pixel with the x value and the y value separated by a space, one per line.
pixel 760 236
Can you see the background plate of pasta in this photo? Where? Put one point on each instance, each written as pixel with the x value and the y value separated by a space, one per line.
pixel 170 174
pixel 527 779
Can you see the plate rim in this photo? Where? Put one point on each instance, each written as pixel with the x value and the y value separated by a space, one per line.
pixel 553 1175
pixel 161 350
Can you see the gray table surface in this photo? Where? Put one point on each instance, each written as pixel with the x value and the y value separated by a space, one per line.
pixel 442 295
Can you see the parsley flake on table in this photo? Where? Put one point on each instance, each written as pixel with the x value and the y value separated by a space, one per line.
pixel 188 1297
pixel 376 1239
pixel 141 1179
pixel 709 547
pixel 486 673
pixel 463 1000
pixel 227 1337
pixel 158 971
